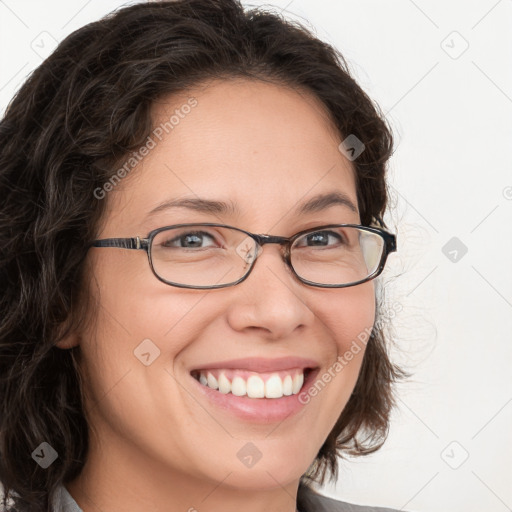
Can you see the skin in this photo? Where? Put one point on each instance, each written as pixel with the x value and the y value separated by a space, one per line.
pixel 156 444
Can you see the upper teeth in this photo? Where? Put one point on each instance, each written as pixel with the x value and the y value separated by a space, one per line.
pixel 252 384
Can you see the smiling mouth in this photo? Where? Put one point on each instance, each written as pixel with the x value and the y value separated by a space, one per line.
pixel 274 384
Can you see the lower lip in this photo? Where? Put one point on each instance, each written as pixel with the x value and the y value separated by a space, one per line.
pixel 257 410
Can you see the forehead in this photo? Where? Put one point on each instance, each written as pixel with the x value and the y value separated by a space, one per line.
pixel 261 147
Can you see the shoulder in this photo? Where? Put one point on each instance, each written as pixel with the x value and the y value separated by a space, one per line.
pixel 312 501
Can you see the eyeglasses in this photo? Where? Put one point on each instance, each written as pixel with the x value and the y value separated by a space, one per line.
pixel 209 255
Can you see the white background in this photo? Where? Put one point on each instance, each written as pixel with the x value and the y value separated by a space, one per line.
pixel 450 109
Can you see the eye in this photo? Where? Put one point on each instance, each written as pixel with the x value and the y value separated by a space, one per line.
pixel 321 238
pixel 189 240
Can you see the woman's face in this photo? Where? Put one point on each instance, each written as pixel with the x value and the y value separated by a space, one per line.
pixel 265 149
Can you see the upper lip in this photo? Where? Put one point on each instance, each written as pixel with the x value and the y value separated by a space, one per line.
pixel 261 364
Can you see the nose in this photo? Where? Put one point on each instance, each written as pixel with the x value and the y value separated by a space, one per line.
pixel 271 298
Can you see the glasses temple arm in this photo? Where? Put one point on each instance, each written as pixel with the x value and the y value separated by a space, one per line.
pixel 124 243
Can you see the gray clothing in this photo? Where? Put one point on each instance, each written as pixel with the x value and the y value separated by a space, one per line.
pixel 64 502
pixel 312 502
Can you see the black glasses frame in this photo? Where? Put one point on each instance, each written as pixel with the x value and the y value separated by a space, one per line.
pixel 146 244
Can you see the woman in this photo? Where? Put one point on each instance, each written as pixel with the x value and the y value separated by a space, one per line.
pixel 191 225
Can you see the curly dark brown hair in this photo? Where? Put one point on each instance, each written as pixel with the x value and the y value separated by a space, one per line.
pixel 64 134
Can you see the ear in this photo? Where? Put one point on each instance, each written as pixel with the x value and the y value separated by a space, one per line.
pixel 70 341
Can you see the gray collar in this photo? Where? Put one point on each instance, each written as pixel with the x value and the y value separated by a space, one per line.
pixel 64 502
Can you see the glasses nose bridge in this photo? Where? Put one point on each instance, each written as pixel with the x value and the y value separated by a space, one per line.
pixel 272 239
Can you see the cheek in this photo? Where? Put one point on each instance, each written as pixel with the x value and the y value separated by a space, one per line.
pixel 350 315
pixel 141 326
pixel 347 316
pixel 134 305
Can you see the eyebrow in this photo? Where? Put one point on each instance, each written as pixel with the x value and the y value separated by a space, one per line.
pixel 315 204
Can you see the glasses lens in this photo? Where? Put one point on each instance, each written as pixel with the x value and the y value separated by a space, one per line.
pixel 199 255
pixel 205 256
pixel 337 255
